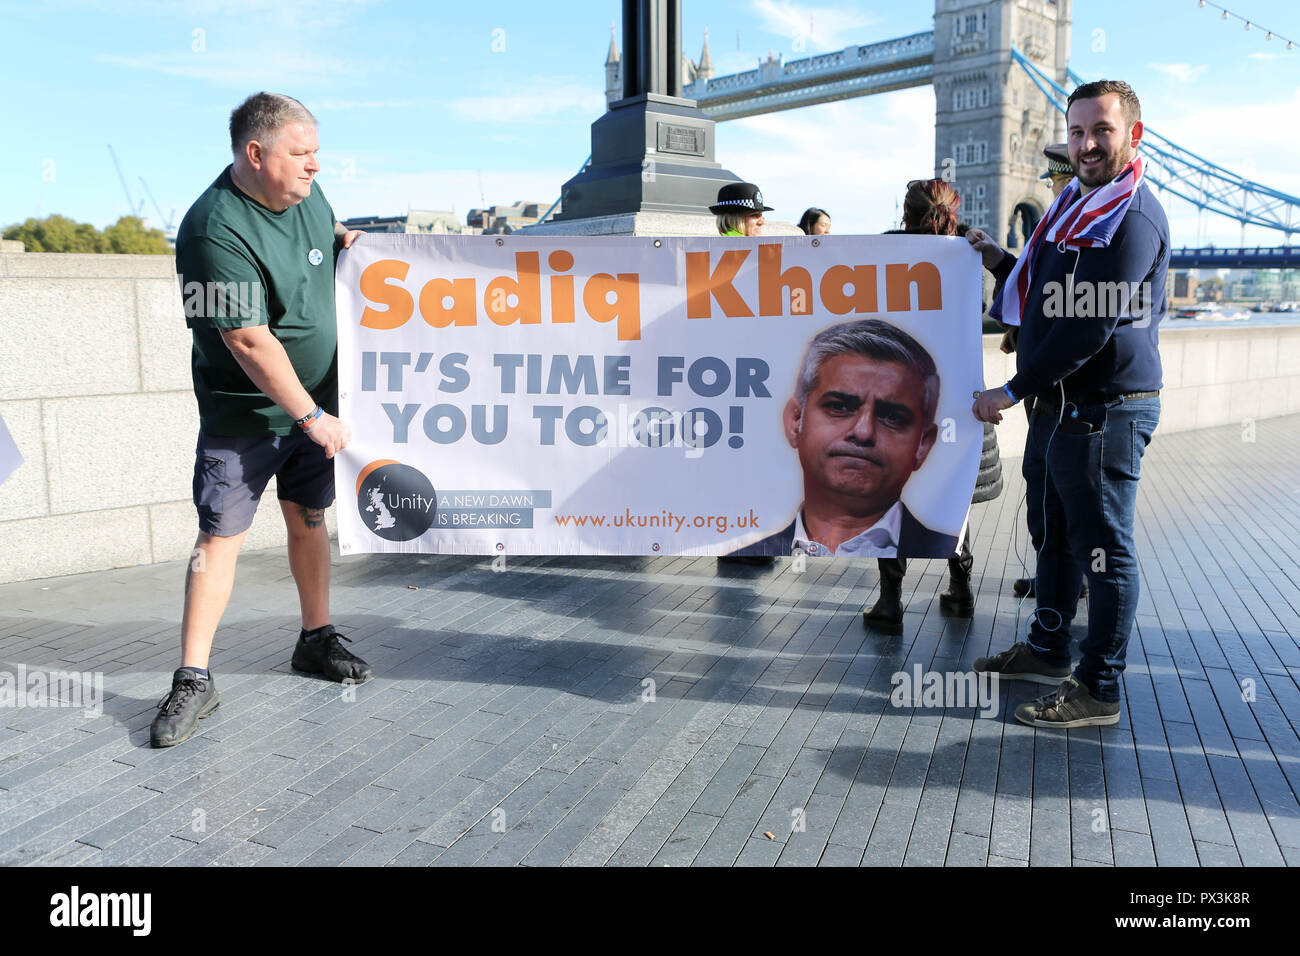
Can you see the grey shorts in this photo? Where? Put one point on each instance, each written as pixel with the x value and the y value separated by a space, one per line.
pixel 230 475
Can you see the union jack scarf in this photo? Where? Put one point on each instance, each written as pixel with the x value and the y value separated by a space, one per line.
pixel 1074 221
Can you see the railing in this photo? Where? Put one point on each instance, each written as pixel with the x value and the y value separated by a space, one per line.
pixel 915 45
pixel 836 66
pixel 1277 251
pixel 736 81
pixel 814 63
pixel 774 96
pixel 1258 257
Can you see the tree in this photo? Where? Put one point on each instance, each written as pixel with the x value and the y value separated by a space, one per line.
pixel 56 234
pixel 61 234
pixel 129 236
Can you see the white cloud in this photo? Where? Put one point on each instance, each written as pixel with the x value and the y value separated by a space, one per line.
pixel 390 194
pixel 327 104
pixel 822 27
pixel 243 68
pixel 297 15
pixel 1182 72
pixel 1262 56
pixel 537 103
pixel 735 61
pixel 852 158
pixel 1254 139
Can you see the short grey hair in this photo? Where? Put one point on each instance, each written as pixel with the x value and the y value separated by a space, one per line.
pixel 262 116
pixel 732 222
pixel 875 339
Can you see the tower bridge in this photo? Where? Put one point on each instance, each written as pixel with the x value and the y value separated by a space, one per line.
pixel 999 69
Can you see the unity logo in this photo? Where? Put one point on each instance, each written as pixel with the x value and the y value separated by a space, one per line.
pixel 396 502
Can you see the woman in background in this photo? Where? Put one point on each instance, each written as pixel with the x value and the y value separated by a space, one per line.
pixel 815 222
pixel 930 208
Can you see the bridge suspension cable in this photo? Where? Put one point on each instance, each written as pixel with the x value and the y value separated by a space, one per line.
pixel 1188 176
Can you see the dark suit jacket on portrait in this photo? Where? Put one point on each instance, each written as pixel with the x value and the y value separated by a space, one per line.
pixel 915 540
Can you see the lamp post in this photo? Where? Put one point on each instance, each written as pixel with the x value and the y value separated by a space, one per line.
pixel 652 151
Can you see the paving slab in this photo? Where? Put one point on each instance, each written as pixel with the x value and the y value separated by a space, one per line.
pixel 681 711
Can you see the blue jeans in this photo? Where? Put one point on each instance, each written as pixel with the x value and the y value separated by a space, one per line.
pixel 1082 479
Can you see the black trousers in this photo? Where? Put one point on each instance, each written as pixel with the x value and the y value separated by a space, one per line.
pixel 893 569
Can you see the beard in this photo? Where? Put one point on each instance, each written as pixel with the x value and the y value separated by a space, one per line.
pixel 1110 167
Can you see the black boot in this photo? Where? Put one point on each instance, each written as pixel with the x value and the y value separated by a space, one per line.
pixel 958 600
pixel 1024 587
pixel 886 615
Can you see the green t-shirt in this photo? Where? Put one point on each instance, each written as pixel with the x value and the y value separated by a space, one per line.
pixel 239 264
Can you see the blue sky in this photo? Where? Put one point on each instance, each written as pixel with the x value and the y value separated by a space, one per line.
pixel 416 107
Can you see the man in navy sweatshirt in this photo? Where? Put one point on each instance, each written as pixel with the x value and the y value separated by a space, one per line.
pixel 1089 291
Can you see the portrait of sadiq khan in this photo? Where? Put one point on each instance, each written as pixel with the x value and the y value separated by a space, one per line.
pixel 862 422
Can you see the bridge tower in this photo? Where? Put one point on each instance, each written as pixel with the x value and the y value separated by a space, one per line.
pixel 991 122
pixel 613 71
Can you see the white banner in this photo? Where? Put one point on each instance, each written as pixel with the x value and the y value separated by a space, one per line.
pixel 556 395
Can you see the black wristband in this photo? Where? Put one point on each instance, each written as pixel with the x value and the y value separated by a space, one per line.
pixel 310 416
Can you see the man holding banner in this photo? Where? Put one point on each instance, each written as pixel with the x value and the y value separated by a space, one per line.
pixel 255 258
pixel 1088 294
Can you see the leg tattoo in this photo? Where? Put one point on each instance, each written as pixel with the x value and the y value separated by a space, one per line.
pixel 312 517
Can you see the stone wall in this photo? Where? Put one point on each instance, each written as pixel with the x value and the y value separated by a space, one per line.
pixel 1219 376
pixel 96 391
pixel 95 387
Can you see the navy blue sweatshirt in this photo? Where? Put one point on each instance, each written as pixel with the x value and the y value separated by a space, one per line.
pixel 1097 336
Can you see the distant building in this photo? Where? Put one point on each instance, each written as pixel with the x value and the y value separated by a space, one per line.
pixel 427 221
pixel 1182 289
pixel 499 220
pixel 493 221
pixel 1277 285
pixel 1290 279
pixel 692 72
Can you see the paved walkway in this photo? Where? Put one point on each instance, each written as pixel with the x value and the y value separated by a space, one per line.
pixel 514 719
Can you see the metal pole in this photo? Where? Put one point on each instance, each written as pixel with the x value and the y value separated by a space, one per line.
pixel 632 60
pixel 673 47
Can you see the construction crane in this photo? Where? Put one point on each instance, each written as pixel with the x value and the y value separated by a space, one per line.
pixel 132 208
pixel 169 225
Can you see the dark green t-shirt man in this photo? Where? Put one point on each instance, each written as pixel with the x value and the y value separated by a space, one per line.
pixel 240 264
pixel 255 258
